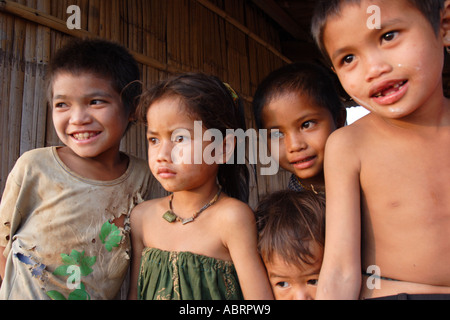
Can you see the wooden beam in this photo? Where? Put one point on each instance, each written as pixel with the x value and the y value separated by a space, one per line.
pixel 49 21
pixel 39 17
pixel 54 23
pixel 299 50
pixel 280 16
pixel 243 28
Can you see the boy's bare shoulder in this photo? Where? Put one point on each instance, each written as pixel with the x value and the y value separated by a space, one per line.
pixel 353 135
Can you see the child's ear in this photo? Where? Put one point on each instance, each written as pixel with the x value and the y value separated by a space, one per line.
pixel 228 147
pixel 445 25
pixel 132 118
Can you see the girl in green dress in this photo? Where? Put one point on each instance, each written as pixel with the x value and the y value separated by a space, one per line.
pixel 200 242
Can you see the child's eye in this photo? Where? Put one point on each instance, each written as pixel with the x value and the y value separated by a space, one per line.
pixel 60 105
pixel 152 140
pixel 389 36
pixel 308 124
pixel 276 134
pixel 97 102
pixel 282 284
pixel 348 59
pixel 181 138
pixel 313 282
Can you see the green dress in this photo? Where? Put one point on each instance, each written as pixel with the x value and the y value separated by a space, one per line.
pixel 168 275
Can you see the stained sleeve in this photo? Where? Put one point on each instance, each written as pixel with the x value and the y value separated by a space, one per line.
pixel 10 217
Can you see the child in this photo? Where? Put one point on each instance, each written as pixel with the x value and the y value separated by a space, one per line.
pixel 200 243
pixel 62 230
pixel 388 175
pixel 300 100
pixel 291 227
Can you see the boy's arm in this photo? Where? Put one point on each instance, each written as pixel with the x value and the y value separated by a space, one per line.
pixel 240 237
pixel 340 276
pixel 2 264
pixel 10 216
pixel 136 246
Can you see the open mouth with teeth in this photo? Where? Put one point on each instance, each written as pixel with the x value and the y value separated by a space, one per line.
pixel 305 163
pixel 389 90
pixel 304 160
pixel 82 136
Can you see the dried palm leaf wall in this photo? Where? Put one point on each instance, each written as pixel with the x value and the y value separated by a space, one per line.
pixel 231 39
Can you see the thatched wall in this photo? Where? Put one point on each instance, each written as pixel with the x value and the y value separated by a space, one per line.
pixel 231 39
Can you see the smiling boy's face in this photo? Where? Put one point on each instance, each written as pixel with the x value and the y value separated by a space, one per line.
pixel 88 115
pixel 394 70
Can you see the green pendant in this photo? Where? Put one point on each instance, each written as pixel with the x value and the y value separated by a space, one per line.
pixel 169 216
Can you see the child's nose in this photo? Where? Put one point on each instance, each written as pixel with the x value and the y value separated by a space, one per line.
pixel 377 65
pixel 302 294
pixel 165 152
pixel 79 115
pixel 295 142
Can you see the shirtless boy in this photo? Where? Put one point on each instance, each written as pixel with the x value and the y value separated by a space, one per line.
pixel 388 175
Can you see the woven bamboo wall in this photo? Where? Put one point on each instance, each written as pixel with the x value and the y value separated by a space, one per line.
pixel 231 39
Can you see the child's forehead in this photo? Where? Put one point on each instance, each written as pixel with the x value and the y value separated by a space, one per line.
pixel 364 5
pixel 371 11
pixel 278 265
pixel 172 101
pixel 291 101
pixel 62 77
pixel 356 22
pixel 296 97
pixel 172 104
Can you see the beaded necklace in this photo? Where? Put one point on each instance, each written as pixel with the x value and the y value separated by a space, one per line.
pixel 170 216
pixel 312 186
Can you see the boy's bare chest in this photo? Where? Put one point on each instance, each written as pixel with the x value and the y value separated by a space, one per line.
pixel 407 175
pixel 406 208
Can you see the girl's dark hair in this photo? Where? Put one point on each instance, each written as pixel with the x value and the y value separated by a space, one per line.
pixel 105 59
pixel 288 221
pixel 218 107
pixel 304 78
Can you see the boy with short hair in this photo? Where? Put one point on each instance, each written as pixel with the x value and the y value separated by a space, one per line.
pixel 291 228
pixel 63 215
pixel 301 101
pixel 388 174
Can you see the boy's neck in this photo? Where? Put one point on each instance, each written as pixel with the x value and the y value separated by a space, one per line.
pixel 100 169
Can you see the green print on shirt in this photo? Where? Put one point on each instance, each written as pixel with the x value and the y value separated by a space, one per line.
pixel 110 236
pixel 75 259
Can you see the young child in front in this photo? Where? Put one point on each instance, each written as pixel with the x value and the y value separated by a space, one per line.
pixel 388 175
pixel 302 103
pixel 62 216
pixel 199 243
pixel 291 228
